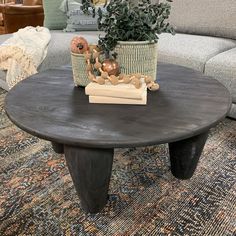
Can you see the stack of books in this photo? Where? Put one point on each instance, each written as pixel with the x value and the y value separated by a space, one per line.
pixel 116 94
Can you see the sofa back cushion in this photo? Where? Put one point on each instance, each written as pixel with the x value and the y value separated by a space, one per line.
pixel 54 18
pixel 205 17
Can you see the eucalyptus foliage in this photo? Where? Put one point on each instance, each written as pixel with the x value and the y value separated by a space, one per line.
pixel 127 20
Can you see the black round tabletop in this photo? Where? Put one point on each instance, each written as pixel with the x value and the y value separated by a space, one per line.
pixel 48 105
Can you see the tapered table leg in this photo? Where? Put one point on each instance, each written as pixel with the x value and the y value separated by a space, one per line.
pixel 58 148
pixel 90 170
pixel 184 155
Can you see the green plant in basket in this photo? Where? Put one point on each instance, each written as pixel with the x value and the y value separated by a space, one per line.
pixel 129 20
pixel 131 32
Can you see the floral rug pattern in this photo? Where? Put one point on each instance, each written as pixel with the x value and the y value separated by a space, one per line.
pixel 37 196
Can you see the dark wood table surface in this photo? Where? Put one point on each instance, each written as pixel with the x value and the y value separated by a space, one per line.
pixel 181 113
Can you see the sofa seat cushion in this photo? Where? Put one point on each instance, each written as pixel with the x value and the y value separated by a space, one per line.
pixel 223 68
pixel 192 51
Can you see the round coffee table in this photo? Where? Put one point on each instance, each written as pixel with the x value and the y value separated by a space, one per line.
pixel 181 113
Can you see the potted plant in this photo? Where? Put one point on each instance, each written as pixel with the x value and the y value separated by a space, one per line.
pixel 131 32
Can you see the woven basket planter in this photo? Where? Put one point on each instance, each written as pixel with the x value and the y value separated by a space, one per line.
pixel 137 57
pixel 79 70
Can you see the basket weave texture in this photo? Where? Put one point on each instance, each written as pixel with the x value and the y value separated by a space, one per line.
pixel 79 70
pixel 133 57
pixel 137 57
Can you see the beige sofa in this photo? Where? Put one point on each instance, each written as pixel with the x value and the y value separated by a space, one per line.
pixel 205 41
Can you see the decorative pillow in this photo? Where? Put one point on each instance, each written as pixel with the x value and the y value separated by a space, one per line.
pixel 77 20
pixel 54 18
pixel 69 5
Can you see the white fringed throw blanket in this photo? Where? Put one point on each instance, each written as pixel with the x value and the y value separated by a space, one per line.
pixel 21 55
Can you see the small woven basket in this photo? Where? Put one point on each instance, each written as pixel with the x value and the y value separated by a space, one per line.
pixel 137 57
pixel 79 70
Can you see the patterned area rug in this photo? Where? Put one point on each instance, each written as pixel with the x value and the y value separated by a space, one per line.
pixel 37 196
